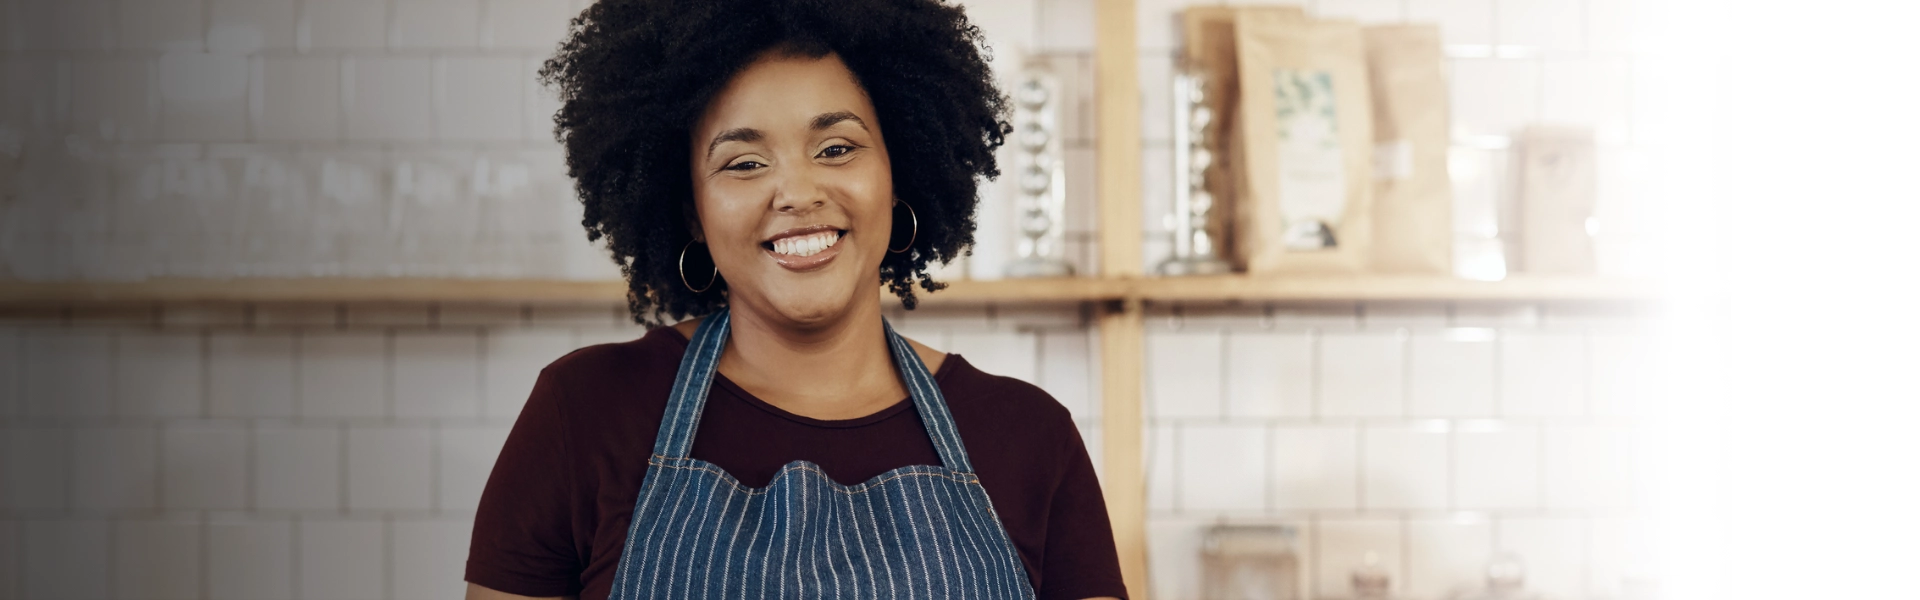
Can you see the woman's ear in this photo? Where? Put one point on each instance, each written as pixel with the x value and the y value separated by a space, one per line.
pixel 692 217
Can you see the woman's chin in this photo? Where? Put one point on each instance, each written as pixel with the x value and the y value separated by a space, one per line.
pixel 811 305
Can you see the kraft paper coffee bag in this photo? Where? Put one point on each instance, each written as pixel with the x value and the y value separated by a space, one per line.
pixel 1557 192
pixel 1412 195
pixel 1305 175
pixel 1209 48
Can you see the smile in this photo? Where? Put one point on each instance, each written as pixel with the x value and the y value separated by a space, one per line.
pixel 805 248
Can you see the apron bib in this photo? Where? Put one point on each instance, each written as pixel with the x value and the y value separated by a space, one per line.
pixel 914 532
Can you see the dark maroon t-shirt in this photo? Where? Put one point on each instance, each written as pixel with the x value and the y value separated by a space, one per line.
pixel 554 516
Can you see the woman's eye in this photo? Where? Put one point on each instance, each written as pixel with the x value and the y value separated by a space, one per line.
pixel 836 151
pixel 745 165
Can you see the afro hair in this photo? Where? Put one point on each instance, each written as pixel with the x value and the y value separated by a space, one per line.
pixel 633 76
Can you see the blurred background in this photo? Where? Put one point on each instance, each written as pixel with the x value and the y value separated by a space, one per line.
pixel 277 275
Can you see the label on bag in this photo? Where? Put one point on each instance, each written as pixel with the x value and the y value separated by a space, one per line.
pixel 1312 168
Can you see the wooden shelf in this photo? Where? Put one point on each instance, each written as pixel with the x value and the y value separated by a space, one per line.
pixel 321 290
pixel 504 291
pixel 1059 289
pixel 1305 288
pixel 1227 288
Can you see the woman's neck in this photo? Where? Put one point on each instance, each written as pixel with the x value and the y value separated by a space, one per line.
pixel 841 369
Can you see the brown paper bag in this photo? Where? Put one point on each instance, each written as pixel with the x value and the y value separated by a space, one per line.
pixel 1210 51
pixel 1412 194
pixel 1556 200
pixel 1305 177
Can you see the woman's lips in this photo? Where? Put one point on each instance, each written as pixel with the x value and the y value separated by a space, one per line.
pixel 811 262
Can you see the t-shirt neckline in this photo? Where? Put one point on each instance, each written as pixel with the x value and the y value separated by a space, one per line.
pixel 721 381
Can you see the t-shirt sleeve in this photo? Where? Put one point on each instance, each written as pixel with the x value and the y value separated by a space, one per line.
pixel 1080 560
pixel 523 540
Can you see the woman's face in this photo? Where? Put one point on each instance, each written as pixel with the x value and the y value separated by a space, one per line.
pixel 793 189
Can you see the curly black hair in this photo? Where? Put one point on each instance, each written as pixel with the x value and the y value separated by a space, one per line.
pixel 633 76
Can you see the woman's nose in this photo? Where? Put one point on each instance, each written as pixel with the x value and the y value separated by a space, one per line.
pixel 799 191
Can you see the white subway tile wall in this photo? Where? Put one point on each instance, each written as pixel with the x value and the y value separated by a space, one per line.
pixel 321 451
pixel 342 557
pixel 205 467
pixel 297 467
pixel 1481 422
pixel 65 559
pixel 336 471
pixel 116 469
pixel 157 559
pixel 249 558
pixel 1446 555
pixel 1344 544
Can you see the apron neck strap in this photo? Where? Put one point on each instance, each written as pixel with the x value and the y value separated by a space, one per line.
pixel 695 379
pixel 690 386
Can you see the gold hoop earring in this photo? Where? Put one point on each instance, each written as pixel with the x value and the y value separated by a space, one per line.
pixel 916 228
pixel 683 271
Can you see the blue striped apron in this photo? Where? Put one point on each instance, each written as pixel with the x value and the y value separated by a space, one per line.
pixel 914 532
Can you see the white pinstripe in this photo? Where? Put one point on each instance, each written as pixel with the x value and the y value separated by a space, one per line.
pixel 853 522
pixel 938 557
pixel 803 546
pixel 847 551
pixel 974 556
pixel 673 564
pixel 886 501
pixel 664 527
pixel 715 545
pixel 783 524
pixel 744 556
pixel 967 543
pixel 885 565
pixel 983 504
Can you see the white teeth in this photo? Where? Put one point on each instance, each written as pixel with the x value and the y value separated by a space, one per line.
pixel 806 245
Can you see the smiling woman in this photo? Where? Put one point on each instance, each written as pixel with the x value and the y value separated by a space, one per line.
pixel 639 79
pixel 759 166
pixel 796 176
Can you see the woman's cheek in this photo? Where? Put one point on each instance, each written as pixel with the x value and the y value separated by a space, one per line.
pixel 728 217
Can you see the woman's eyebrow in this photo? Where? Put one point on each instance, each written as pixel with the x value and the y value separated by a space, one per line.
pixel 738 134
pixel 826 120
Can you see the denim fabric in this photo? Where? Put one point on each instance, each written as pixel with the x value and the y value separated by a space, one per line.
pixel 914 532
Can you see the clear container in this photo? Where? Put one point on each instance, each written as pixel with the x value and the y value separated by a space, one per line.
pixel 1245 562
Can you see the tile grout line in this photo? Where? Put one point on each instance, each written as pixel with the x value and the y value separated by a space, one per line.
pixel 386 566
pixel 1316 364
pixel 296 574
pixel 1272 500
pixel 159 459
pixel 481 368
pixel 1405 523
pixel 1453 468
pixel 1540 468
pixel 111 577
pixel 434 440
pixel 206 372
pixel 206 555
pixel 1225 373
pixel 1404 338
pixel 344 498
pixel 1360 465
pixel 387 360
pixel 300 409
pixel 1587 395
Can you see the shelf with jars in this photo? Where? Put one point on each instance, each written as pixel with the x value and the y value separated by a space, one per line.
pixel 1212 288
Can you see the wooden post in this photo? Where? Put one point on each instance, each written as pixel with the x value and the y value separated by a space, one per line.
pixel 1122 357
pixel 1122 331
